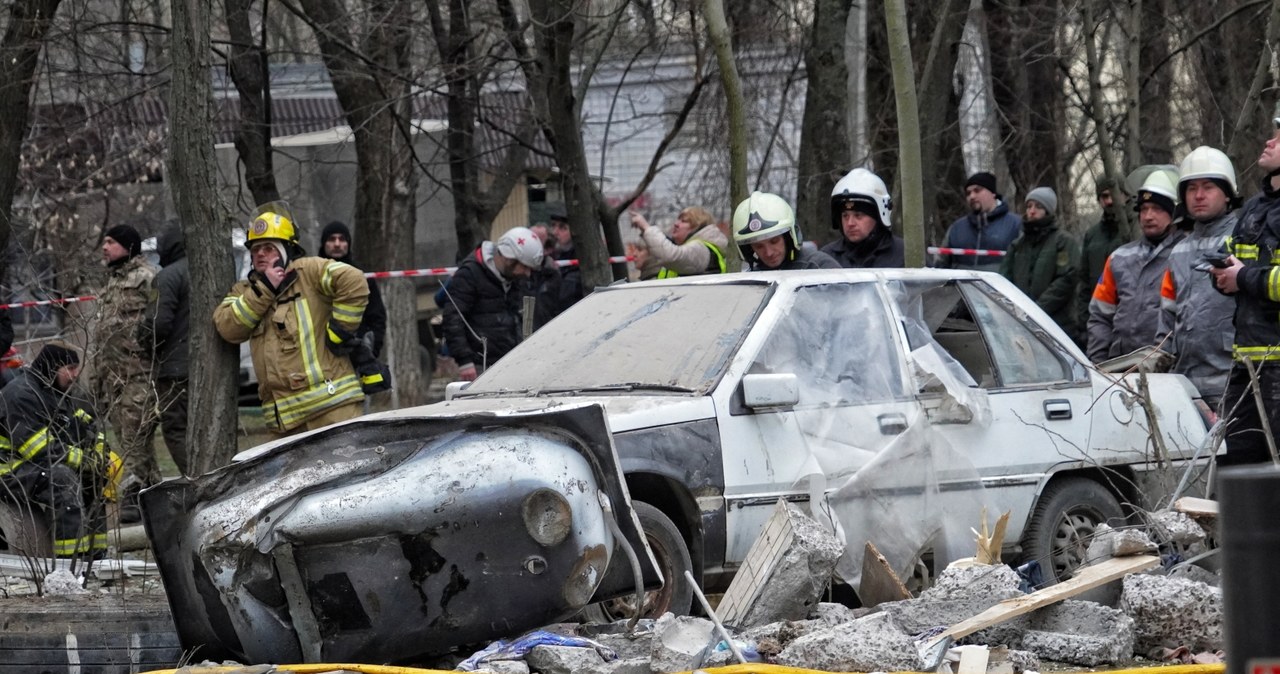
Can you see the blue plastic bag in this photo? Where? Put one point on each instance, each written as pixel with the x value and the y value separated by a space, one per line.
pixel 517 648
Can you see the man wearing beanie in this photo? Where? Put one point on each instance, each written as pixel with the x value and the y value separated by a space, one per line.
pixel 335 244
pixel 1196 320
pixel 1124 311
pixel 1042 260
pixel 482 306
pixel 1098 242
pixel 54 455
pixel 122 364
pixel 990 225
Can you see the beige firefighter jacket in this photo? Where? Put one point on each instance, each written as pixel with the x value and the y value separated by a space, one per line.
pixel 298 376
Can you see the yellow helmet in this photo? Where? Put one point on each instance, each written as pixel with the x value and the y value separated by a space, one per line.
pixel 272 226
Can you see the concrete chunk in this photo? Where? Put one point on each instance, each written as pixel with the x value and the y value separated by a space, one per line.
pixel 915 616
pixel 506 667
pixel 962 582
pixel 621 666
pixel 868 644
pixel 1081 633
pixel 785 572
pixel 1126 542
pixel 1176 527
pixel 680 644
pixel 833 614
pixel 772 638
pixel 562 659
pixel 1169 612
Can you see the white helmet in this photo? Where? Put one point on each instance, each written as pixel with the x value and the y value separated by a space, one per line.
pixel 1160 188
pixel 1206 163
pixel 763 216
pixel 522 245
pixel 860 186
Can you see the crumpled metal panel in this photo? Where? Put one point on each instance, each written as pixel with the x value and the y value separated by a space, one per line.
pixel 392 539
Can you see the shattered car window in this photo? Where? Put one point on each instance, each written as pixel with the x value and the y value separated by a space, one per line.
pixel 669 339
pixel 1020 356
pixel 837 339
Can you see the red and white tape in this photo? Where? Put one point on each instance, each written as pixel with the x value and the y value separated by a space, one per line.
pixel 978 252
pixel 406 273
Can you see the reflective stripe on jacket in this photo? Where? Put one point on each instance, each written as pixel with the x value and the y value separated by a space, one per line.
pixel 1256 243
pixel 1195 319
pixel 1124 313
pixel 298 376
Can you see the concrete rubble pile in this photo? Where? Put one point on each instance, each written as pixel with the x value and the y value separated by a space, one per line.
pixel 1141 614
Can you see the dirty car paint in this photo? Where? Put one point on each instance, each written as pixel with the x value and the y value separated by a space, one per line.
pixel 392 539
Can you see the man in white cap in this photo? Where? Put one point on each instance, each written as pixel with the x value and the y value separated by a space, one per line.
pixel 1124 312
pixel 482 307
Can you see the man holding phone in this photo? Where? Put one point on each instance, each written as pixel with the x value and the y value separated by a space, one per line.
pixel 1251 275
pixel 300 316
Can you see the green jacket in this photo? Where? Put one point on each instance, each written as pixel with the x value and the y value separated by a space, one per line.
pixel 1044 263
pixel 1097 244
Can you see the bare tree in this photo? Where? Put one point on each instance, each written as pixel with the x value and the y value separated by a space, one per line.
pixel 247 62
pixel 824 156
pixel 908 132
pixel 24 36
pixel 211 439
pixel 371 78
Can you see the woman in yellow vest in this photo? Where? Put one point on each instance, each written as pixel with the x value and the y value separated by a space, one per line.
pixel 696 245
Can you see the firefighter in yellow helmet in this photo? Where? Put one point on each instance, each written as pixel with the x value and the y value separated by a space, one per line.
pixel 299 315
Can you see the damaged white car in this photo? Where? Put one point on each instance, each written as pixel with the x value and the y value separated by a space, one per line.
pixel 897 403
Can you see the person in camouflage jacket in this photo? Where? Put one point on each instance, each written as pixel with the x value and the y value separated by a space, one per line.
pixel 122 364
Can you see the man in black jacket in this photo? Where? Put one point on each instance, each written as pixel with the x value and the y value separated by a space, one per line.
pixel 165 330
pixel 52 453
pixel 482 304
pixel 335 244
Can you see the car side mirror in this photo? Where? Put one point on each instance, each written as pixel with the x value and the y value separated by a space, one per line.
pixel 770 390
pixel 453 388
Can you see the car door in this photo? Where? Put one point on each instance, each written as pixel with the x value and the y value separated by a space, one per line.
pixel 1038 397
pixel 838 341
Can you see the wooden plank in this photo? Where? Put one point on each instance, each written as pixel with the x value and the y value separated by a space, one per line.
pixel 770 545
pixel 879 583
pixel 1197 508
pixel 1085 579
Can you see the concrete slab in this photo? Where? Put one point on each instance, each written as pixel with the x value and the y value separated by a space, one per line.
pixel 961 582
pixel 785 572
pixel 1169 612
pixel 868 644
pixel 915 616
pixel 680 644
pixel 562 659
pixel 832 613
pixel 1176 527
pixel 1081 633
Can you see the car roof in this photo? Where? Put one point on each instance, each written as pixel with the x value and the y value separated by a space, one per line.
pixel 814 276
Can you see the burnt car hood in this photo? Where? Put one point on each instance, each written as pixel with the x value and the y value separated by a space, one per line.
pixel 392 538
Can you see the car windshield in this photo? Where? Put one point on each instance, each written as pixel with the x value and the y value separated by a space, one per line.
pixel 658 339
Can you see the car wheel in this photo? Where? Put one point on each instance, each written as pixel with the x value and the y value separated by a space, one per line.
pixel 672 554
pixel 1063 524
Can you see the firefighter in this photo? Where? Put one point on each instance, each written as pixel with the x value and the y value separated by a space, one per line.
pixel 300 315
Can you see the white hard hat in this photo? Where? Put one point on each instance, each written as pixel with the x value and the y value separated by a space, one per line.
pixel 1207 163
pixel 522 245
pixel 763 216
pixel 860 185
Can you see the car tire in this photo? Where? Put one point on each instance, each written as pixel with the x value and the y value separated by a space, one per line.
pixel 1063 524
pixel 672 555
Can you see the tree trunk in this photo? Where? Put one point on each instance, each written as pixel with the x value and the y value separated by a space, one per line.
pixel 375 96
pixel 824 157
pixel 1097 111
pixel 24 36
pixel 211 431
pixel 909 167
pixel 1132 87
pixel 1253 108
pixel 248 66
pixel 936 104
pixel 1157 131
pixel 735 104
pixel 554 40
pixel 855 61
